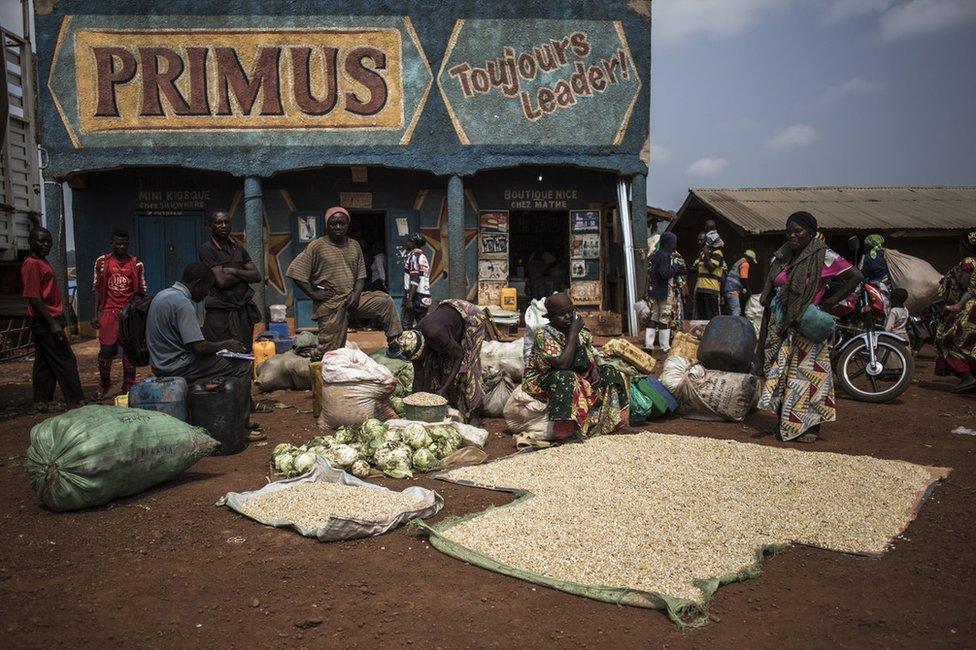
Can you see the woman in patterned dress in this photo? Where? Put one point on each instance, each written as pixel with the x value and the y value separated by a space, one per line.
pixel 799 381
pixel 955 338
pixel 584 397
pixel 445 349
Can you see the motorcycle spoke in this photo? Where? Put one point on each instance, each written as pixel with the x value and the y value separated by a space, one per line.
pixel 874 384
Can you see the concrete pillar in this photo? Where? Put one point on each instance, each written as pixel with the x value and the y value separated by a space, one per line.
pixel 638 220
pixel 254 236
pixel 57 224
pixel 456 276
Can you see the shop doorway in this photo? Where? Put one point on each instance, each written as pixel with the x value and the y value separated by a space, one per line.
pixel 369 229
pixel 538 251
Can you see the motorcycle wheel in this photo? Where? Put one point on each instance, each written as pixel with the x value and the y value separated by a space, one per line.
pixel 894 378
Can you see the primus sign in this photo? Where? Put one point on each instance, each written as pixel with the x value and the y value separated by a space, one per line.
pixel 330 79
pixel 536 81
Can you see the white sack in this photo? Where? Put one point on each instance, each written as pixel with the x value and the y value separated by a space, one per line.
pixel 916 276
pixel 354 389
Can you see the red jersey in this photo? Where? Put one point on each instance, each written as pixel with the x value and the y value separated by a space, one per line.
pixel 37 278
pixel 116 282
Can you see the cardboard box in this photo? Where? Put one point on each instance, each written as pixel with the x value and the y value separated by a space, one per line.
pixel 603 323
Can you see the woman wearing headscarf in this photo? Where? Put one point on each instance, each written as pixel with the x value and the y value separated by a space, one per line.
pixel 445 349
pixel 663 291
pixel 875 267
pixel 955 339
pixel 585 397
pixel 799 382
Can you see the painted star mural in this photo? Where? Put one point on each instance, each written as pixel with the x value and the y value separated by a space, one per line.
pixel 275 243
pixel 437 239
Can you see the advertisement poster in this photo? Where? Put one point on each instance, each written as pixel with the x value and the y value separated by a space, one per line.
pixel 490 293
pixel 493 221
pixel 495 270
pixel 307 230
pixel 585 269
pixel 493 245
pixel 585 246
pixel 584 220
pixel 585 293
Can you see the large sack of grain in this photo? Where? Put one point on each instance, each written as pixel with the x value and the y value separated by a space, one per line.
pixel 914 275
pixel 498 388
pixel 716 395
pixel 354 389
pixel 527 419
pixel 504 358
pixel 286 371
pixel 94 454
pixel 674 371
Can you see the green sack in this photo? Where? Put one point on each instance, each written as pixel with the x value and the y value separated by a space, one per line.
pixel 659 406
pixel 91 455
pixel 641 406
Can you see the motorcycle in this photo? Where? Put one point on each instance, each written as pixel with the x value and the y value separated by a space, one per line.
pixel 922 327
pixel 871 365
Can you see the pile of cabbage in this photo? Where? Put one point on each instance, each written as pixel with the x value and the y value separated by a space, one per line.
pixel 398 453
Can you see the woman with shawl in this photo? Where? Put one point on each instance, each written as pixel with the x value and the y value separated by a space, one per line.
pixel 584 397
pixel 663 291
pixel 955 339
pixel 799 382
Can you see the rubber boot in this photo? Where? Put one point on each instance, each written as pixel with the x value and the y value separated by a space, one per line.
pixel 665 337
pixel 649 335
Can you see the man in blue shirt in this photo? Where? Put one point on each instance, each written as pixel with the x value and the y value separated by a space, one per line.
pixel 177 347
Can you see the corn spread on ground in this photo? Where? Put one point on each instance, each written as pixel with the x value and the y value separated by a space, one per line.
pixel 310 505
pixel 655 512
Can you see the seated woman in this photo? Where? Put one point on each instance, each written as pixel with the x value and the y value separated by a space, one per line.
pixel 445 349
pixel 584 397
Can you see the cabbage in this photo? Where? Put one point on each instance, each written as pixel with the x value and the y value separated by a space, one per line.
pixel 372 427
pixel 360 469
pixel 445 440
pixel 318 441
pixel 424 460
pixel 393 435
pixel 341 456
pixel 394 459
pixel 415 435
pixel 345 435
pixel 328 441
pixel 397 404
pixel 283 448
pixel 304 462
pixel 284 464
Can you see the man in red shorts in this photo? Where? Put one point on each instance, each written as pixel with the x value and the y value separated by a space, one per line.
pixel 118 278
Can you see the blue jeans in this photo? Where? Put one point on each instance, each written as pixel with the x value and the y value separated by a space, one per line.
pixel 732 301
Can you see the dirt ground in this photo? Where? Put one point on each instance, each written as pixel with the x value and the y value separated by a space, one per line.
pixel 168 568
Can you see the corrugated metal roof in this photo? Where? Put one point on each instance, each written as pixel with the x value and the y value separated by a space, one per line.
pixel 765 209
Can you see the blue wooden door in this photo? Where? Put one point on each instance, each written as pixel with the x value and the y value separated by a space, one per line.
pixel 305 228
pixel 398 224
pixel 166 245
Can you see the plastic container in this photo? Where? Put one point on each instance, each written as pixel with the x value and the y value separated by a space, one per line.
pixel 263 350
pixel 282 341
pixel 281 328
pixel 509 299
pixel 433 413
pixel 728 344
pixel 277 313
pixel 220 407
pixel 164 394
pixel 122 401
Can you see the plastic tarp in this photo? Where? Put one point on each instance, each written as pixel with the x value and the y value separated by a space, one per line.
pixel 337 529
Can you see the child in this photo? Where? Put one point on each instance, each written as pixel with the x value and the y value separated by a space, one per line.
pixel 897 321
pixel 416 281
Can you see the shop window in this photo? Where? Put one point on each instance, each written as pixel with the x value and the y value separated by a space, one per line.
pixel 539 252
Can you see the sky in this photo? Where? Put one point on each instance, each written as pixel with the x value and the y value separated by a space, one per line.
pixel 759 93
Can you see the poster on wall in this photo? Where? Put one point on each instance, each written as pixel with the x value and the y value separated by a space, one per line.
pixel 585 246
pixel 585 292
pixel 584 221
pixel 490 293
pixel 493 221
pixel 307 230
pixel 494 270
pixel 585 270
pixel 493 245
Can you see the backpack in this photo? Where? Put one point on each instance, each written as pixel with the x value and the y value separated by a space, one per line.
pixel 132 330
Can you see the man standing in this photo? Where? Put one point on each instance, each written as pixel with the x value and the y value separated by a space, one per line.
pixel 737 283
pixel 231 312
pixel 710 267
pixel 118 278
pixel 54 361
pixel 177 347
pixel 331 271
pixel 416 279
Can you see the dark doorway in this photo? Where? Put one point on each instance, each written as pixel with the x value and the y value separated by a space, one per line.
pixel 369 229
pixel 538 250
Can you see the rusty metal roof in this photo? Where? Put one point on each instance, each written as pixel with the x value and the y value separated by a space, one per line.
pixel 765 209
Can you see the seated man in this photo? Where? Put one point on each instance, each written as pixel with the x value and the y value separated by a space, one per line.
pixel 177 347
pixel 331 271
pixel 583 397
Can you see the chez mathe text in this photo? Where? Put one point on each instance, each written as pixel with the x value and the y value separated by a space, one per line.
pixel 507 73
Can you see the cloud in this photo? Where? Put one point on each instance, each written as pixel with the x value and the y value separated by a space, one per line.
pixel 679 21
pixel 660 153
pixel 924 17
pixel 708 166
pixel 855 86
pixel 793 137
pixel 839 10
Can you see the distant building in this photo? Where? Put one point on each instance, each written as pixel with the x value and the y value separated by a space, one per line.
pixel 922 221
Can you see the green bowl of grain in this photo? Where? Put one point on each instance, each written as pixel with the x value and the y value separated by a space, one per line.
pixel 425 407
